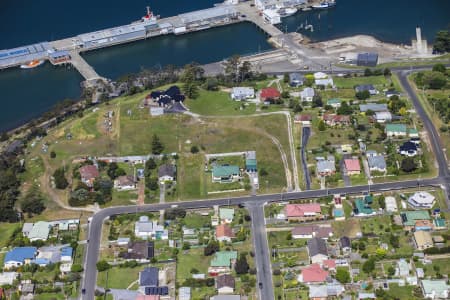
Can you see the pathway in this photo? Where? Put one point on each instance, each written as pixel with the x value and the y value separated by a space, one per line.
pixel 306 132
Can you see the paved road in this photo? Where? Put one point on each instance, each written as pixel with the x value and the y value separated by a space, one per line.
pixel 261 248
pixel 96 223
pixel 306 132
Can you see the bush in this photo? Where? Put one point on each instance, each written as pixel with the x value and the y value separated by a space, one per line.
pixel 61 182
pixel 194 149
pixel 102 265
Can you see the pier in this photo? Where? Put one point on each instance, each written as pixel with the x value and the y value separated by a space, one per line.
pixel 149 26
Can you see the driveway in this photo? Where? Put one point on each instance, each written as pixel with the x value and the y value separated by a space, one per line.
pixel 346 178
pixel 306 133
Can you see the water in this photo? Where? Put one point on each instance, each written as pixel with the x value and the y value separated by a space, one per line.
pixel 37 90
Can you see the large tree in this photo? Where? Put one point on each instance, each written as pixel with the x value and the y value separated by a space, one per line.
pixel 231 67
pixel 442 41
pixel 157 146
pixel 60 179
pixel 408 165
pixel 33 202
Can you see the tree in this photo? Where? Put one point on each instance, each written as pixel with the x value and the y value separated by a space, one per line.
pixel 369 113
pixel 434 80
pixel 286 77
pixel 387 72
pixel 381 202
pixel 4 137
pixel 394 241
pixel 211 248
pixel 241 266
pixel 102 265
pixel 52 154
pixel 321 125
pixel 211 84
pixel 369 265
pixel 439 68
pixel 152 183
pixel 194 149
pixel 157 146
pixel 368 72
pixel 408 165
pixel 61 182
pixel 342 275
pixel 150 164
pixel 391 271
pixel 231 68
pixel 76 268
pixel 362 95
pixel 114 171
pixel 442 41
pixel 317 101
pixel 33 203
pixel 345 109
pixel 245 71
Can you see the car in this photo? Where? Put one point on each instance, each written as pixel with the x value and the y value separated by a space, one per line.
pixel 243 16
pixel 83 291
pixel 260 285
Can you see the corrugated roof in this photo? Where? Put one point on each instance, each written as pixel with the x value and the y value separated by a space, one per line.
pixel 223 258
pixel 40 231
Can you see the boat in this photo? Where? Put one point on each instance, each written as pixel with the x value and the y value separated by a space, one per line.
pixel 149 18
pixel 324 5
pixel 287 11
pixel 32 64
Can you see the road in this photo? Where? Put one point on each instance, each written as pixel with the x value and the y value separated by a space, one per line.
pixel 95 228
pixel 306 132
pixel 261 248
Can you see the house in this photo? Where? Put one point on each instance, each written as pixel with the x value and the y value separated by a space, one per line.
pixel 296 79
pixel 40 231
pixel 352 166
pixel 335 103
pixel 166 172
pixel 19 256
pixel 250 162
pixel 408 149
pixel 326 167
pixel 303 212
pixel 345 244
pixel 88 174
pixel 226 297
pixel 370 153
pixel 225 284
pixel 184 293
pixel 366 87
pixel 226 174
pixel 66 254
pixel 167 97
pixel 320 75
pixel 317 250
pixel 391 93
pixel 7 278
pixel 409 218
pixel 27 227
pixel 402 269
pixel 139 250
pixel 362 208
pixel 383 116
pixel 421 200
pixel 413 133
pixel 308 232
pixel 303 119
pixel 222 262
pixel 395 130
pixel 423 240
pixel 329 264
pixel 420 273
pixel 373 107
pixel 226 215
pixel 391 204
pixel 149 277
pixel 242 93
pixel 313 274
pixel 362 296
pixel 367 59
pixel 324 82
pixel 224 233
pixel 336 120
pixel 415 140
pixel 435 289
pixel 270 94
pixel 377 163
pixel 145 228
pixel 325 291
pixel 125 183
pixel 307 94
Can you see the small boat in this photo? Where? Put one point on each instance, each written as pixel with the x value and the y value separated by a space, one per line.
pixel 32 64
pixel 324 5
pixel 287 11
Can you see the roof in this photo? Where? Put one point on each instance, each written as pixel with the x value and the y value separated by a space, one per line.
pixel 336 118
pixel 40 231
pixel 314 273
pixel 302 230
pixel 364 87
pixel 438 222
pixel 226 297
pixel 296 77
pixel 66 251
pixel 27 227
pixel 225 280
pixel 20 254
pixel 156 290
pixel 409 217
pixel 307 92
pixel 299 210
pixel 149 277
pixel 320 75
pixel 408 146
pixel 270 93
pixel 352 164
pixel 329 263
pixel 326 81
pixel 147 297
pixel 383 115
pixel 225 171
pixel 88 172
pixel 223 230
pixel 125 180
pixel 166 170
pixel 396 128
pixel 345 242
pixel 223 258
pixel 184 293
pixel 317 246
pixel 306 117
pixel 377 161
pixel 368 59
pixel 373 107
pixel 362 208
pixel 205 14
pixel 423 238
pixel 422 198
pixel 226 213
pixel 334 101
pixel 439 287
pixel 243 91
pixel 325 166
pixel 317 291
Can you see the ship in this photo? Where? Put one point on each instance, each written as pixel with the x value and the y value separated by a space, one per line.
pixel 287 11
pixel 324 5
pixel 149 17
pixel 32 64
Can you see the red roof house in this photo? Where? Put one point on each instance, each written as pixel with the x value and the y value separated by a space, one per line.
pixel 334 120
pixel 352 166
pixel 313 274
pixel 329 264
pixel 269 94
pixel 302 211
pixel 224 233
pixel 303 119
pixel 88 174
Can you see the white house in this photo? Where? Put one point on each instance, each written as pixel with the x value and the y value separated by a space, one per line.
pixel 325 82
pixel 307 94
pixel 7 278
pixel 383 116
pixel 421 200
pixel 145 228
pixel 272 16
pixel 242 93
pixel 125 183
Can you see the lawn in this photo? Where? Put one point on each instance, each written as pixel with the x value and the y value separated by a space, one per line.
pixel 48 296
pixel 189 259
pixel 190 177
pixel 210 103
pixel 119 278
pixel 375 225
pixel 349 83
pixel 441 266
pixel 347 228
pixel 401 292
pixel 7 230
pixel 194 220
pixel 87 127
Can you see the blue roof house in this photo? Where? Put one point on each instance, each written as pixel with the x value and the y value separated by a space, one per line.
pixel 66 254
pixel 19 256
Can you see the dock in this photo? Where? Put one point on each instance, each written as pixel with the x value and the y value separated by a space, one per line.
pixel 149 26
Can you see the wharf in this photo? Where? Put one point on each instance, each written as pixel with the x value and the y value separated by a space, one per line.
pixel 83 67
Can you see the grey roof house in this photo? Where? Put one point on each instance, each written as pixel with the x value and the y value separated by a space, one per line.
pixel 366 87
pixel 166 172
pixel 377 163
pixel 242 93
pixel 296 79
pixel 373 107
pixel 317 249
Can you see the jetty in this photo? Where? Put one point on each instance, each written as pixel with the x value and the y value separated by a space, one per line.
pixel 149 26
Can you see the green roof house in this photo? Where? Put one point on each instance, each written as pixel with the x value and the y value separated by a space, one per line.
pixel 439 224
pixel 409 218
pixel 250 165
pixel 335 103
pixel 395 130
pixel 222 262
pixel 362 208
pixel 435 289
pixel 224 174
pixel 226 215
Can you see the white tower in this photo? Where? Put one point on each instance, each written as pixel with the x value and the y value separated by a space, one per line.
pixel 419 39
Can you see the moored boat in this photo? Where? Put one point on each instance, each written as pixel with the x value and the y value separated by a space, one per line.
pixel 32 64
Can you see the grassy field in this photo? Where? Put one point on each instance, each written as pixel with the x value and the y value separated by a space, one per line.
pixel 7 230
pixel 349 83
pixel 119 278
pixel 347 228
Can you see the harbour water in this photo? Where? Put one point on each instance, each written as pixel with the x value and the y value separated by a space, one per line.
pixel 28 93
